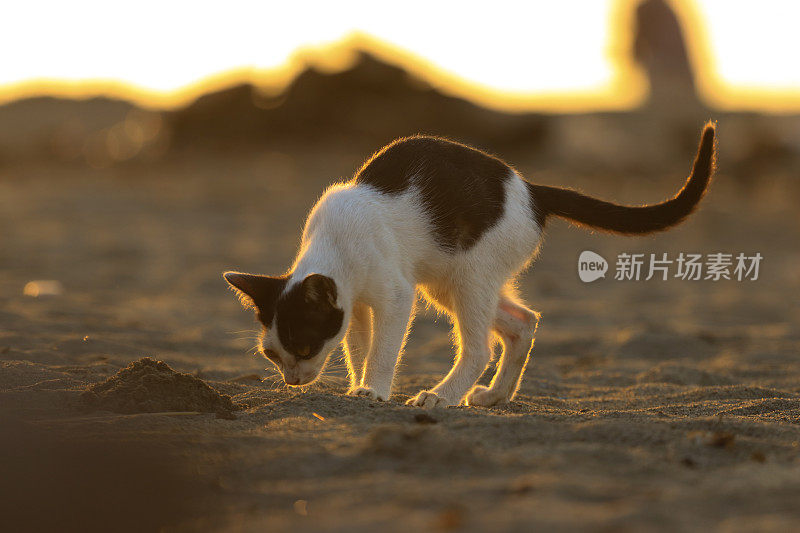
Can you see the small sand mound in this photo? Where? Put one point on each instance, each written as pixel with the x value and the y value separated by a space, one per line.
pixel 150 386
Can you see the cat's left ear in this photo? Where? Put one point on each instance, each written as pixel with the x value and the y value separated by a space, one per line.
pixel 260 292
pixel 319 290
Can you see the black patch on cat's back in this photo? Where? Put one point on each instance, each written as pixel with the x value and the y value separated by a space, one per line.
pixel 462 189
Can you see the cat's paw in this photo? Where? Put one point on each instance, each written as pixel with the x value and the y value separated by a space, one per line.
pixel 428 400
pixel 484 397
pixel 368 392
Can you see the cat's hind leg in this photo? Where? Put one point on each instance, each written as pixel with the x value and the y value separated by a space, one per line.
pixel 474 309
pixel 515 324
pixel 357 343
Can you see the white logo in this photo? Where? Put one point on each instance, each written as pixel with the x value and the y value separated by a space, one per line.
pixel 591 266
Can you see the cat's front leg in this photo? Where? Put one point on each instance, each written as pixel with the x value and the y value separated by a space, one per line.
pixel 357 343
pixel 390 320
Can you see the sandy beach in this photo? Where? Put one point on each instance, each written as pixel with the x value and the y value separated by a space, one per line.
pixel 650 405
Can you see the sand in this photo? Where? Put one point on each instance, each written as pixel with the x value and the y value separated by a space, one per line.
pixel 656 405
pixel 150 386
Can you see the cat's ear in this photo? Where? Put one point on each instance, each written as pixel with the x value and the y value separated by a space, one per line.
pixel 319 289
pixel 260 292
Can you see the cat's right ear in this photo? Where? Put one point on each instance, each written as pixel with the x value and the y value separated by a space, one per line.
pixel 258 292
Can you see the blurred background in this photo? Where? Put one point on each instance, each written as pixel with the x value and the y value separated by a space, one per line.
pixel 144 150
pixel 620 84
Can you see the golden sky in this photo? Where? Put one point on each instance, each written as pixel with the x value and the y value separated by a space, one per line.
pixel 569 54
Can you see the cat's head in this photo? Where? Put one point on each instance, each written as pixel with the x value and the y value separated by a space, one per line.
pixel 303 321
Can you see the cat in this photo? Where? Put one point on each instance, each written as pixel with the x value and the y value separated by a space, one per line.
pixel 431 216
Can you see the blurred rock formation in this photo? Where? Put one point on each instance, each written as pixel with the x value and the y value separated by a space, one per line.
pixel 374 102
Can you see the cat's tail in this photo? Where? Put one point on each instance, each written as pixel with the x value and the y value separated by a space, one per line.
pixel 606 216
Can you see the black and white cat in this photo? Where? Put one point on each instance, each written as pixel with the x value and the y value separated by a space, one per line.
pixel 454 223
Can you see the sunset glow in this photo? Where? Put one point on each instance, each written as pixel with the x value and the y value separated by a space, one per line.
pixel 515 55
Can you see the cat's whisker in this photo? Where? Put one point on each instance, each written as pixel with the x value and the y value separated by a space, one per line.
pixel 246 336
pixel 276 384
